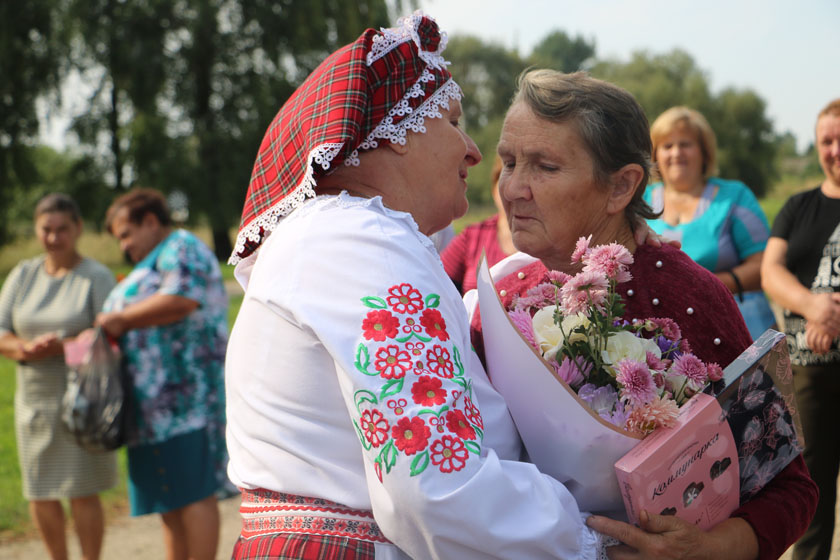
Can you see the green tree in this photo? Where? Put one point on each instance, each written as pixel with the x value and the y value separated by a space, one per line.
pixel 234 64
pixel 746 142
pixel 77 175
pixel 487 75
pixel 32 40
pixel 560 52
pixel 659 81
pixel 121 44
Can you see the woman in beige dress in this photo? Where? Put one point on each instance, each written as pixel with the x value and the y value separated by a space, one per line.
pixel 43 302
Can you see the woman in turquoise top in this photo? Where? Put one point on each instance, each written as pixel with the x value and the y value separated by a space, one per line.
pixel 170 313
pixel 718 221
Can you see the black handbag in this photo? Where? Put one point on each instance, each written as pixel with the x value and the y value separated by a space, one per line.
pixel 95 403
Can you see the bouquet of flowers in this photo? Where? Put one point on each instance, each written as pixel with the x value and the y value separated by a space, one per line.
pixel 633 375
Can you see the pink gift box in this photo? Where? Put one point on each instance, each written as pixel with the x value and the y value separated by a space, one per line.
pixel 689 470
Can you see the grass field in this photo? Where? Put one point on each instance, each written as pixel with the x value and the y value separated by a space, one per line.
pixel 14 516
pixel 14 519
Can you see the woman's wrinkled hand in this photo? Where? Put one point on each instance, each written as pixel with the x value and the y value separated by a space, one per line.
pixel 669 538
pixel 660 537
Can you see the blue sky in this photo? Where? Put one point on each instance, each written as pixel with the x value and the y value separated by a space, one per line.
pixel 787 51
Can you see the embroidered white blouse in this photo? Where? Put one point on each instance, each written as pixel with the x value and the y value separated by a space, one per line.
pixel 350 377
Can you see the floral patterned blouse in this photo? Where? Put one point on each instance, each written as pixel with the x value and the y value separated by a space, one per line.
pixel 177 369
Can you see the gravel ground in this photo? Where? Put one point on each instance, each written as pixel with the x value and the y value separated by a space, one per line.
pixel 130 538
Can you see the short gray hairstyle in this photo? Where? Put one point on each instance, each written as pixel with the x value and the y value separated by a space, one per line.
pixel 610 121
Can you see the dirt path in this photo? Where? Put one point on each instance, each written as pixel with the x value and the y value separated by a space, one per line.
pixel 136 538
pixel 132 538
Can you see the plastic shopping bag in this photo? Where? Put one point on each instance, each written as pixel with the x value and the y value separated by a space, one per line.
pixel 94 406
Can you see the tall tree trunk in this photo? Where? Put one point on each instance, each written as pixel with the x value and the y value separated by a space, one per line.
pixel 113 115
pixel 204 56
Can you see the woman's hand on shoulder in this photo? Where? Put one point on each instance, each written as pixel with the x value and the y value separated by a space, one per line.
pixel 670 538
pixel 645 235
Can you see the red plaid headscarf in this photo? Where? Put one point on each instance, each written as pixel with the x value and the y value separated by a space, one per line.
pixel 374 89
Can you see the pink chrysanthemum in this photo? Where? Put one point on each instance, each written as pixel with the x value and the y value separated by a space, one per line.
pixel 685 347
pixel 570 371
pixel 547 292
pixel 613 261
pixel 581 247
pixel 575 295
pixel 692 368
pixel 523 303
pixel 557 277
pixel 637 385
pixel 522 321
pixel 654 362
pixel 670 328
pixel 714 371
pixel 658 413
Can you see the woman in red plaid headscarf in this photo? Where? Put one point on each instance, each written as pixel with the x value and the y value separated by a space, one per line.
pixel 360 423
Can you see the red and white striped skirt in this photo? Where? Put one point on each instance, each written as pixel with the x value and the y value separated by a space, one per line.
pixel 278 526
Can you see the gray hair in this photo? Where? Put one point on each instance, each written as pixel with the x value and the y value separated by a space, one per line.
pixel 610 121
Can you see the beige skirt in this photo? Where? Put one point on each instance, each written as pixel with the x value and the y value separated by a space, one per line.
pixel 52 465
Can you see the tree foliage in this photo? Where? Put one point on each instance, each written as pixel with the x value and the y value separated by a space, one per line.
pixel 181 92
pixel 31 42
pixel 745 137
pixel 561 52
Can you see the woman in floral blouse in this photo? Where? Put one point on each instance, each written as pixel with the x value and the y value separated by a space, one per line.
pixel 170 313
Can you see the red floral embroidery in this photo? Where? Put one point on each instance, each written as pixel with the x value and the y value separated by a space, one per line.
pixel 435 326
pixel 399 335
pixel 427 391
pixel 380 324
pixel 397 405
pixel 411 326
pixel 416 348
pixel 405 299
pixel 374 426
pixel 392 362
pixel 473 413
pixel 411 435
pixel 459 425
pixel 449 453
pixel 437 360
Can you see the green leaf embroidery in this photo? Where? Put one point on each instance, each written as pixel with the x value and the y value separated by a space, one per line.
pixel 392 387
pixel 374 302
pixel 462 382
pixel 479 431
pixel 388 455
pixel 420 463
pixel 413 334
pixel 443 409
pixel 456 355
pixel 363 360
pixel 432 301
pixel 472 446
pixel 363 395
pixel 362 438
